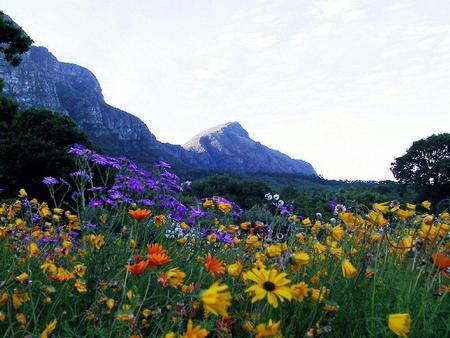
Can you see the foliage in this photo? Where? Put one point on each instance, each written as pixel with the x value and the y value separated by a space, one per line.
pixel 34 144
pixel 426 166
pixel 13 40
pixel 128 259
pixel 246 193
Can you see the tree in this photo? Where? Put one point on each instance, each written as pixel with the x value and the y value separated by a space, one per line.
pixel 426 167
pixel 13 40
pixel 34 145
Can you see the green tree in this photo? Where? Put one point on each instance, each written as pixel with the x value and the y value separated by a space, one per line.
pixel 34 145
pixel 13 40
pixel 426 167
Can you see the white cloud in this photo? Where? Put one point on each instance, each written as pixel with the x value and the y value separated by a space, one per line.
pixel 265 18
pixel 215 70
pixel 259 41
pixel 331 8
pixel 353 15
pixel 323 28
pixel 298 38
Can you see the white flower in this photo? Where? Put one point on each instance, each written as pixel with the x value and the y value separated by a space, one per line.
pixel 280 203
pixel 339 208
pixel 276 197
pixel 268 196
pixel 318 215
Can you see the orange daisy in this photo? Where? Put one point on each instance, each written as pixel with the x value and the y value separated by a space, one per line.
pixel 214 266
pixel 139 267
pixel 140 214
pixel 155 248
pixel 158 259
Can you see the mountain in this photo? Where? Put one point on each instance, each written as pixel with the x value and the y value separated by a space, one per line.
pixel 229 147
pixel 41 81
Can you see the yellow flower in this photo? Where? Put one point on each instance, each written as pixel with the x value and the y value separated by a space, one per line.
pixel 33 249
pixel 110 303
pixel 399 323
pixel 234 269
pixel 426 204
pixel 299 291
pixel 274 251
pixel 80 286
pixel 211 238
pixel 208 204
pixel 252 242
pixel 216 299
pixel 381 207
pixel 49 329
pixel 307 222
pixel 181 241
pixel 224 207
pixel 317 295
pixel 22 193
pixel 410 206
pixel 19 298
pixel 301 258
pixel 319 248
pixel 175 277
pixel 170 335
pixel 80 269
pixel 184 226
pixel 270 329
pixel 2 316
pixel 159 220
pixel 22 319
pixel 269 283
pixel 348 270
pixel 337 233
pixel 23 278
pixel 194 332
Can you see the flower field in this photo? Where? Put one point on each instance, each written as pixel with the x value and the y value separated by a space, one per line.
pixel 115 253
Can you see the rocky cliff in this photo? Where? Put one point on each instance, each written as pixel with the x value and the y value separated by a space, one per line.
pixel 41 81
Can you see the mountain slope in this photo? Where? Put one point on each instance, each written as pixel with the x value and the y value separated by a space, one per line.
pixel 41 81
pixel 229 147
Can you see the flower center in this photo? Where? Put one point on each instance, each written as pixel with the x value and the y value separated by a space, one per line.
pixel 268 286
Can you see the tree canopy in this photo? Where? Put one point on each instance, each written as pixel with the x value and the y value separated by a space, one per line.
pixel 426 166
pixel 13 40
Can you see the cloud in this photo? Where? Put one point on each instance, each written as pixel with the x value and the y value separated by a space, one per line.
pixel 353 15
pixel 323 28
pixel 265 18
pixel 331 8
pixel 215 70
pixel 259 41
pixel 298 38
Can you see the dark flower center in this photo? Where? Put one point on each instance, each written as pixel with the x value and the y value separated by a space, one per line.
pixel 268 286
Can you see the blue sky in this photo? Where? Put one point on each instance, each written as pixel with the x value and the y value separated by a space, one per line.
pixel 346 85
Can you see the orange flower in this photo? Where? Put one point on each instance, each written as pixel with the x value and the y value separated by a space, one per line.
pixel 155 248
pixel 441 260
pixel 139 214
pixel 159 220
pixel 158 259
pixel 214 266
pixel 138 268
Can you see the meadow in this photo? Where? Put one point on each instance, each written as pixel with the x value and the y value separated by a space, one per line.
pixel 114 253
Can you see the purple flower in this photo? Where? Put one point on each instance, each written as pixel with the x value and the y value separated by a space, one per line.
pixel 95 203
pixel 50 180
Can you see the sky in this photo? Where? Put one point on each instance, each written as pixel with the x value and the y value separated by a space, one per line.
pixel 345 85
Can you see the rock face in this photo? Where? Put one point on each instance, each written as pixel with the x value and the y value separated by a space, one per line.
pixel 41 81
pixel 229 147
